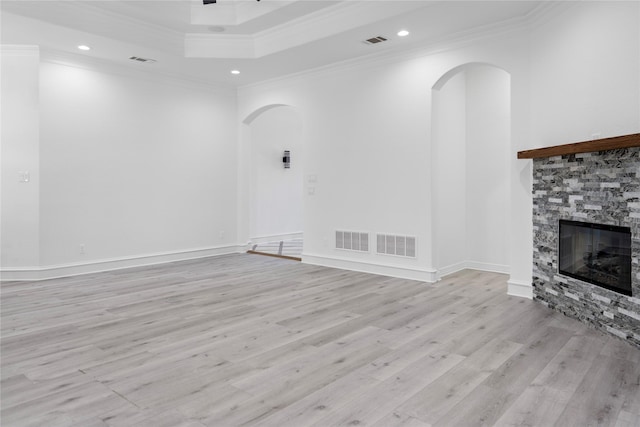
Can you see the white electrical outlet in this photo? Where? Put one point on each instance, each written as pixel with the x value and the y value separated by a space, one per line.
pixel 82 249
pixel 221 235
pixel 24 177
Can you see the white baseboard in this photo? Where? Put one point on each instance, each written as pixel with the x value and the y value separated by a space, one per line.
pixel 55 271
pixel 472 265
pixel 515 288
pixel 519 289
pixel 275 238
pixel 450 269
pixel 422 275
pixel 485 266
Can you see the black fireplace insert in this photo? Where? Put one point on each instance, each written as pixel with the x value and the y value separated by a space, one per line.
pixel 596 253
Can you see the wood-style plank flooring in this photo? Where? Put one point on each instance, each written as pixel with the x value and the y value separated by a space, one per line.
pixel 260 341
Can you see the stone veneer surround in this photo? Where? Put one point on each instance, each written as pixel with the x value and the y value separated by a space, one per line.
pixel 599 187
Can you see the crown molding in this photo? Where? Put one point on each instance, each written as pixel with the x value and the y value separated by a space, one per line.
pixel 133 70
pixel 170 39
pixel 232 13
pixel 19 50
pixel 547 10
pixel 340 18
pixel 538 16
pixel 448 43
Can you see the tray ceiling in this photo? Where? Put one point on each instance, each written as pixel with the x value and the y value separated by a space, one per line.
pixel 263 40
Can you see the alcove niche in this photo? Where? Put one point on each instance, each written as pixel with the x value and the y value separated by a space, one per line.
pixel 471 128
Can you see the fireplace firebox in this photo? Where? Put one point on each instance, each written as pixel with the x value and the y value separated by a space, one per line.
pixel 596 253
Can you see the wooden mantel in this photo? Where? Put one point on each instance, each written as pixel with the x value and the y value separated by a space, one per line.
pixel 625 141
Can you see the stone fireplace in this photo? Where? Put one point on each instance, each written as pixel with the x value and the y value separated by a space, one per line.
pixel 601 188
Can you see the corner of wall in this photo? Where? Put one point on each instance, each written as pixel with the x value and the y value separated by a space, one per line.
pixel 519 289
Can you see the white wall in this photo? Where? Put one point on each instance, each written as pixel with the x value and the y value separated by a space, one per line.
pixel 276 192
pixel 133 166
pixel 582 74
pixel 368 147
pixel 368 141
pixel 449 163
pixel 585 73
pixel 488 149
pixel 127 168
pixel 575 71
pixel 20 208
pixel 470 152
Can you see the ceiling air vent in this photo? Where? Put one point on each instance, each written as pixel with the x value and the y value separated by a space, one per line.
pixel 375 40
pixel 138 59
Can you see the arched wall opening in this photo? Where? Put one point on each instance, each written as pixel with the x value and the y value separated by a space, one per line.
pixel 275 192
pixel 471 128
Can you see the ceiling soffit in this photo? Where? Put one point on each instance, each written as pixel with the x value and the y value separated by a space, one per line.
pixel 233 13
pixel 329 21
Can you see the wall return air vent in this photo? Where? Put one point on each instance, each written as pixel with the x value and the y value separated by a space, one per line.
pixel 389 244
pixel 375 40
pixel 352 241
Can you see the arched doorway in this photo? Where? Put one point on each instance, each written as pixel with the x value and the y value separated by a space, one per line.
pixel 275 192
pixel 471 128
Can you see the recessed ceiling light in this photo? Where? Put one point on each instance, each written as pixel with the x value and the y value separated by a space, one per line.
pixel 84 47
pixel 235 72
pixel 403 33
pixel 216 29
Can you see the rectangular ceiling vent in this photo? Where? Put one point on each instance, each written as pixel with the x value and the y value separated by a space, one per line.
pixel 352 241
pixel 389 244
pixel 138 59
pixel 375 40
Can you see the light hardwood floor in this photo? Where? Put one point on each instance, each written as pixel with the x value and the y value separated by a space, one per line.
pixel 250 340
